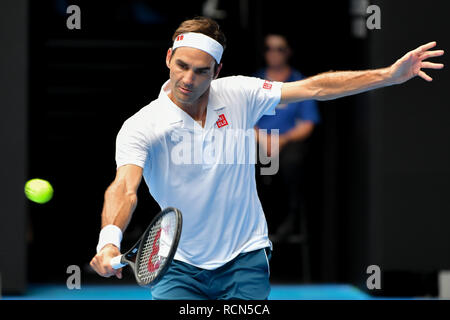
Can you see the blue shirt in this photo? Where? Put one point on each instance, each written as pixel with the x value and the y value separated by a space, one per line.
pixel 287 114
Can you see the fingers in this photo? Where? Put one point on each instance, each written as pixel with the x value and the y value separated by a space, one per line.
pixel 424 76
pixel 432 54
pixel 103 269
pixel 431 65
pixel 426 47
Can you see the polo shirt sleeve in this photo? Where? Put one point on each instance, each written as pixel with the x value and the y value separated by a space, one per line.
pixel 131 144
pixel 262 96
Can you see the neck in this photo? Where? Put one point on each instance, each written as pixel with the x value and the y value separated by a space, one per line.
pixel 278 73
pixel 279 68
pixel 197 109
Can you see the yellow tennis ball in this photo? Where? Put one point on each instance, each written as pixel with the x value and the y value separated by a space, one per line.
pixel 38 190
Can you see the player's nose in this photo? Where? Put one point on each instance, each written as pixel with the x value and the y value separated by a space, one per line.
pixel 188 79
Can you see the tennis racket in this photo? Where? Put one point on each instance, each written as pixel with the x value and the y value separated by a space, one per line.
pixel 152 254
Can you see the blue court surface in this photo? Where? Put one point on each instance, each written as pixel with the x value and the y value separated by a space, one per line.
pixel 134 292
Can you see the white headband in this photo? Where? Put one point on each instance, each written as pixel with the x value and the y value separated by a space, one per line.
pixel 201 42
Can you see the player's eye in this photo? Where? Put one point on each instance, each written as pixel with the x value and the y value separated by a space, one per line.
pixel 183 66
pixel 202 71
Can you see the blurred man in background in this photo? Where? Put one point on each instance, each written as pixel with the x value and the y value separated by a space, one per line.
pixel 295 122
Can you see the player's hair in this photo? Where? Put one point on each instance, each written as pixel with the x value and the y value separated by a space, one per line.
pixel 203 25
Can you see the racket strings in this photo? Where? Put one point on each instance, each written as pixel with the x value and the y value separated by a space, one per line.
pixel 150 259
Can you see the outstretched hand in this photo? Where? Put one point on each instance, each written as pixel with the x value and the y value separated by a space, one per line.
pixel 412 63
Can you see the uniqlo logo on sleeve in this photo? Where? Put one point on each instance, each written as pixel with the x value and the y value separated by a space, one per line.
pixel 222 121
pixel 267 85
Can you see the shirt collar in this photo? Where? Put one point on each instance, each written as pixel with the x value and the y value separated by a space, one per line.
pixel 178 115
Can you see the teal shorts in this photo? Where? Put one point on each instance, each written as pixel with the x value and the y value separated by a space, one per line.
pixel 246 277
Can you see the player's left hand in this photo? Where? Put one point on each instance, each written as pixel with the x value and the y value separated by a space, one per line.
pixel 412 63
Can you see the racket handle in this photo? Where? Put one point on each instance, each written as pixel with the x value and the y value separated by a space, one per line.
pixel 116 262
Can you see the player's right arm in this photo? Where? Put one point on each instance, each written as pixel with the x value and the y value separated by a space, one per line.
pixel 119 204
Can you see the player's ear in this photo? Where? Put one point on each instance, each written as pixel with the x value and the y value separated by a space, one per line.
pixel 219 67
pixel 168 57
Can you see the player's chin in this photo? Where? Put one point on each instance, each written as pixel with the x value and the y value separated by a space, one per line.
pixel 185 97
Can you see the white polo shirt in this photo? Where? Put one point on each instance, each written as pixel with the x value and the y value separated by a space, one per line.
pixel 208 173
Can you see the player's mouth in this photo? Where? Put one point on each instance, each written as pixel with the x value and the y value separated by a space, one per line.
pixel 185 90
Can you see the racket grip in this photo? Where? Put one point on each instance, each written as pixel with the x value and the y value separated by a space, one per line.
pixel 116 262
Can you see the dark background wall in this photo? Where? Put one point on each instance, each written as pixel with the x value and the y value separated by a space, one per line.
pixel 410 172
pixel 13 143
pixel 377 174
pixel 395 166
pixel 411 169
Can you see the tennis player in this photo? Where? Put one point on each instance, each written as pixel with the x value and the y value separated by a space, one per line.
pixel 224 248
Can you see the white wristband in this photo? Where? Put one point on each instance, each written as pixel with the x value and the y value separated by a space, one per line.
pixel 109 234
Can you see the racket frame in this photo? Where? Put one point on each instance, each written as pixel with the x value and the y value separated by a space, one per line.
pixel 135 252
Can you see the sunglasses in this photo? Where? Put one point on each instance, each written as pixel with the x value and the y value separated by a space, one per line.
pixel 277 49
